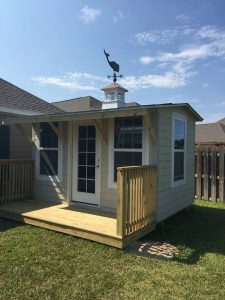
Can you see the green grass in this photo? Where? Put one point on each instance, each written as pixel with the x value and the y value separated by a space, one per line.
pixel 40 264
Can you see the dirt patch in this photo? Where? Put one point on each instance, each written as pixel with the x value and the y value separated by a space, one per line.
pixel 163 251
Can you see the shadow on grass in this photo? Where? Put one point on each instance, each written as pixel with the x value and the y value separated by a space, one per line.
pixel 194 232
pixel 6 224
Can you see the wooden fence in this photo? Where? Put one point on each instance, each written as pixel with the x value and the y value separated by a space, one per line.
pixel 210 173
pixel 136 198
pixel 16 180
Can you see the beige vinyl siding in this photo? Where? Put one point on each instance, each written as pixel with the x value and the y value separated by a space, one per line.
pixel 173 199
pixel 20 147
pixel 108 195
pixel 51 189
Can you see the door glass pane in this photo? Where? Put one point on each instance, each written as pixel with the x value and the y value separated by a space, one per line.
pixel 86 159
pixel 81 185
pixel 91 186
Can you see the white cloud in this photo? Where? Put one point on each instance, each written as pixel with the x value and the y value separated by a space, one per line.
pixel 74 81
pixel 155 36
pixel 176 77
pixel 183 18
pixel 210 32
pixel 145 60
pixel 89 15
pixel 118 16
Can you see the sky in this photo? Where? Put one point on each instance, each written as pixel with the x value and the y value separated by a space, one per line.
pixel 168 50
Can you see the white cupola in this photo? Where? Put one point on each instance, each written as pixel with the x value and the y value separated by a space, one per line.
pixel 114 96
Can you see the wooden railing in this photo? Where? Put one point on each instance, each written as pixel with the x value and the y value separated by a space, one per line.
pixel 136 198
pixel 16 180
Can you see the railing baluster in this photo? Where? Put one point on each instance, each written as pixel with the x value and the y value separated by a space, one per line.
pixel 16 179
pixel 136 198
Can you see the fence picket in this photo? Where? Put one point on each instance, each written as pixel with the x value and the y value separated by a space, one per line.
pixel 212 187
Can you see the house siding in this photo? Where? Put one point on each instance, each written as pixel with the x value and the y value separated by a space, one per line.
pixel 19 145
pixel 173 199
pixel 51 189
pixel 108 195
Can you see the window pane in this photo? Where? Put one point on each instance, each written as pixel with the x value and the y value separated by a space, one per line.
pixel 122 159
pixel 128 133
pixel 81 172
pixel 82 132
pixel 91 145
pixel 48 138
pixel 179 133
pixel 82 159
pixel 91 159
pixel 82 146
pixel 49 162
pixel 91 186
pixel 91 132
pixel 91 172
pixel 178 166
pixel 81 186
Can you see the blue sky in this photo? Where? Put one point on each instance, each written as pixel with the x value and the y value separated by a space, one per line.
pixel 168 51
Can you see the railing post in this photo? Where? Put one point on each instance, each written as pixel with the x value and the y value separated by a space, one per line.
pixel 121 205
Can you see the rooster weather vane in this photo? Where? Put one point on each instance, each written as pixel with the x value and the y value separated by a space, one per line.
pixel 115 67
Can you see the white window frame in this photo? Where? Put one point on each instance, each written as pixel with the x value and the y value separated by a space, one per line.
pixel 183 119
pixel 58 177
pixel 144 150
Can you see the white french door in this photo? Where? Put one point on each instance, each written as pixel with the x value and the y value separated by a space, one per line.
pixel 86 165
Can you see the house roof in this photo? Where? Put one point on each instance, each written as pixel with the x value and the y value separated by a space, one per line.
pixel 16 100
pixel 79 104
pixel 100 114
pixel 211 132
pixel 112 86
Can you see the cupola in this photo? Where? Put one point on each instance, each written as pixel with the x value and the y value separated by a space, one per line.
pixel 114 96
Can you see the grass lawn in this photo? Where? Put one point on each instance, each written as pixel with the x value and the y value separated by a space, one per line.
pixel 39 264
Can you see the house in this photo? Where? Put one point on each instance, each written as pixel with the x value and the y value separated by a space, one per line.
pixel 211 134
pixel 15 102
pixel 110 173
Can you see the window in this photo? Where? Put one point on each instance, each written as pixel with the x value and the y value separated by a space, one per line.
pixel 48 149
pixel 179 144
pixel 4 142
pixel 128 143
pixel 110 96
pixel 120 97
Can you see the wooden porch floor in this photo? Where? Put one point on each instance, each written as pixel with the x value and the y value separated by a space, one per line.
pixel 81 222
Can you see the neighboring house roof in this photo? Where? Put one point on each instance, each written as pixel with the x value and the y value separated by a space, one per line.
pixel 83 104
pixel 101 113
pixel 113 86
pixel 15 100
pixel 79 104
pixel 211 132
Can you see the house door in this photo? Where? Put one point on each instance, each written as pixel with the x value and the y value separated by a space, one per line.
pixel 86 165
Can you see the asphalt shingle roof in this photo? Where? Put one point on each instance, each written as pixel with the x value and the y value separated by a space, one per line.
pixel 211 133
pixel 14 97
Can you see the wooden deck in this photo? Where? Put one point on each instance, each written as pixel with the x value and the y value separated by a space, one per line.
pixel 80 222
pixel 136 205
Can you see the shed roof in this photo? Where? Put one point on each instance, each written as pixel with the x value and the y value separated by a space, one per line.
pixel 16 99
pixel 112 86
pixel 100 114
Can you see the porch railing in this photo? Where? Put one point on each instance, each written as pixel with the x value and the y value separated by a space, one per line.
pixel 16 180
pixel 136 187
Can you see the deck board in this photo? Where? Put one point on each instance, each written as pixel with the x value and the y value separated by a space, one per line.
pixel 81 222
pixel 75 219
